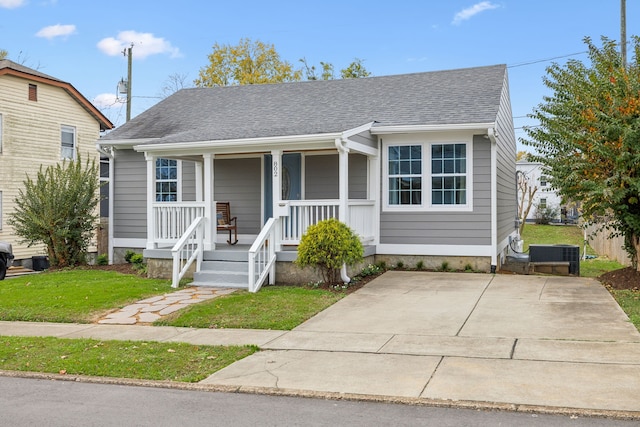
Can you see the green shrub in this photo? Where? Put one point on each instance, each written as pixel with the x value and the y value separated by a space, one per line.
pixel 399 264
pixel 102 259
pixel 444 266
pixel 136 259
pixel 420 265
pixel 128 255
pixel 468 268
pixel 328 245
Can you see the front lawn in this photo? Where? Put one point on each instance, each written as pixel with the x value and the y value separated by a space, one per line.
pixel 119 359
pixel 273 307
pixel 73 296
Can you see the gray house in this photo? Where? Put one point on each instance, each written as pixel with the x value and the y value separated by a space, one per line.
pixel 421 166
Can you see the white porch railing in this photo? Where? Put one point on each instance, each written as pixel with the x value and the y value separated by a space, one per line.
pixel 171 219
pixel 188 249
pixel 262 257
pixel 303 213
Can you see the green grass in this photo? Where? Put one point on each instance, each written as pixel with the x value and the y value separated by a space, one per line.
pixel 629 301
pixel 78 295
pixel 281 308
pixel 569 235
pixel 120 359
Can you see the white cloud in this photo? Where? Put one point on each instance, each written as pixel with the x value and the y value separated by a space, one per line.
pixel 469 12
pixel 58 30
pixel 144 44
pixel 12 4
pixel 106 100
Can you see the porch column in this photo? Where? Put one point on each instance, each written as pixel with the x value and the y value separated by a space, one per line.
pixel 209 200
pixel 151 196
pixel 199 182
pixel 276 193
pixel 373 193
pixel 343 182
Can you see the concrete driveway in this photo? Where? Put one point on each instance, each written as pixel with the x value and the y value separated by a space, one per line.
pixel 506 339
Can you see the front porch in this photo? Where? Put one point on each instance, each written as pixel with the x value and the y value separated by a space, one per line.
pixel 179 235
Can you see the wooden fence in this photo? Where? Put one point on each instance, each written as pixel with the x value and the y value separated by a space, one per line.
pixel 603 244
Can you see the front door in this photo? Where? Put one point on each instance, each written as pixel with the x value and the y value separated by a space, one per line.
pixel 291 180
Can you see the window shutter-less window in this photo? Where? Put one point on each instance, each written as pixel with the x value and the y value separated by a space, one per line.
pixel 33 92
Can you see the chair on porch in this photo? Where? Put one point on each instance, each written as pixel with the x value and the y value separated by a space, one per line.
pixel 225 222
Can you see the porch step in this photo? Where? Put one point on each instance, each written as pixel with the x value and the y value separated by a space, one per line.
pixel 222 274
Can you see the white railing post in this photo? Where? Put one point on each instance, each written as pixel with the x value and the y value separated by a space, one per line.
pixel 262 256
pixel 188 249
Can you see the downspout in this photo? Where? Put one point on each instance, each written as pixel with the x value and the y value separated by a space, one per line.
pixel 342 154
pixel 110 154
pixel 491 133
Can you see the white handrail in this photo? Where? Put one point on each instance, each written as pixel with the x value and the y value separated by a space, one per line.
pixel 262 257
pixel 189 248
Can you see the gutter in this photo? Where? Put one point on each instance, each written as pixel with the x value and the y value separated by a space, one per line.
pixel 492 135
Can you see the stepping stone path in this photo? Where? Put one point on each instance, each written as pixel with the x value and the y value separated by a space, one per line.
pixel 151 309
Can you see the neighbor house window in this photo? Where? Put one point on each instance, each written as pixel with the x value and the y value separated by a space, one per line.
pixel 542 204
pixel 68 138
pixel 428 176
pixel 166 180
pixel 405 175
pixel 0 133
pixel 0 210
pixel 449 174
pixel 33 92
pixel 543 181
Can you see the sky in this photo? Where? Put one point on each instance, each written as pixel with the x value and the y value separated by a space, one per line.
pixel 81 41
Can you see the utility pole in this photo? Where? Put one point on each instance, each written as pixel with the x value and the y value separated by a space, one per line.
pixel 128 53
pixel 623 31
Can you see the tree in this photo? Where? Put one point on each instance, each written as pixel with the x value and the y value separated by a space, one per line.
pixel 589 136
pixel 352 71
pixel 522 155
pixel 59 210
pixel 526 192
pixel 355 70
pixel 247 63
pixel 173 83
pixel 3 54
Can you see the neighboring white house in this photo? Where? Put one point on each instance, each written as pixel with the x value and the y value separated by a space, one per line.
pixel 546 197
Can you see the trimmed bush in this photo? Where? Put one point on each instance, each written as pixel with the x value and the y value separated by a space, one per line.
pixel 328 245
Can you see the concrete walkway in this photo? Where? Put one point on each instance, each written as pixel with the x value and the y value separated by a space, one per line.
pixel 520 341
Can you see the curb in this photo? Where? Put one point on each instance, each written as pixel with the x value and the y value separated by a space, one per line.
pixel 271 391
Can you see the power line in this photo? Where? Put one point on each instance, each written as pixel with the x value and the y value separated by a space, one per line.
pixel 537 61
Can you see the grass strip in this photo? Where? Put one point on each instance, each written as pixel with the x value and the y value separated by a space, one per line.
pixel 73 296
pixel 278 308
pixel 119 359
pixel 629 301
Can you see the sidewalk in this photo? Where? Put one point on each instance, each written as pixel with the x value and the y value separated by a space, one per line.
pixel 519 342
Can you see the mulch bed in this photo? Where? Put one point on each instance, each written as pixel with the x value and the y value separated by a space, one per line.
pixel 625 278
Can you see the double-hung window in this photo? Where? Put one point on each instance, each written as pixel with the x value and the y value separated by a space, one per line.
pixel 449 174
pixel 405 175
pixel 428 176
pixel 166 180
pixel 68 142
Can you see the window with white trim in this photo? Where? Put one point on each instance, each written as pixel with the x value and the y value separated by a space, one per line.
pixel 428 176
pixel 449 174
pixel 405 175
pixel 166 180
pixel 68 142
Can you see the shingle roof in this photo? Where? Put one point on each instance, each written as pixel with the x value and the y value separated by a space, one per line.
pixel 470 95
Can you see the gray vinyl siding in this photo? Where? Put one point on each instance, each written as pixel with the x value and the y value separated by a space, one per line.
pixel 238 181
pixel 365 138
pixel 188 181
pixel 448 228
pixel 322 177
pixel 506 166
pixel 130 195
